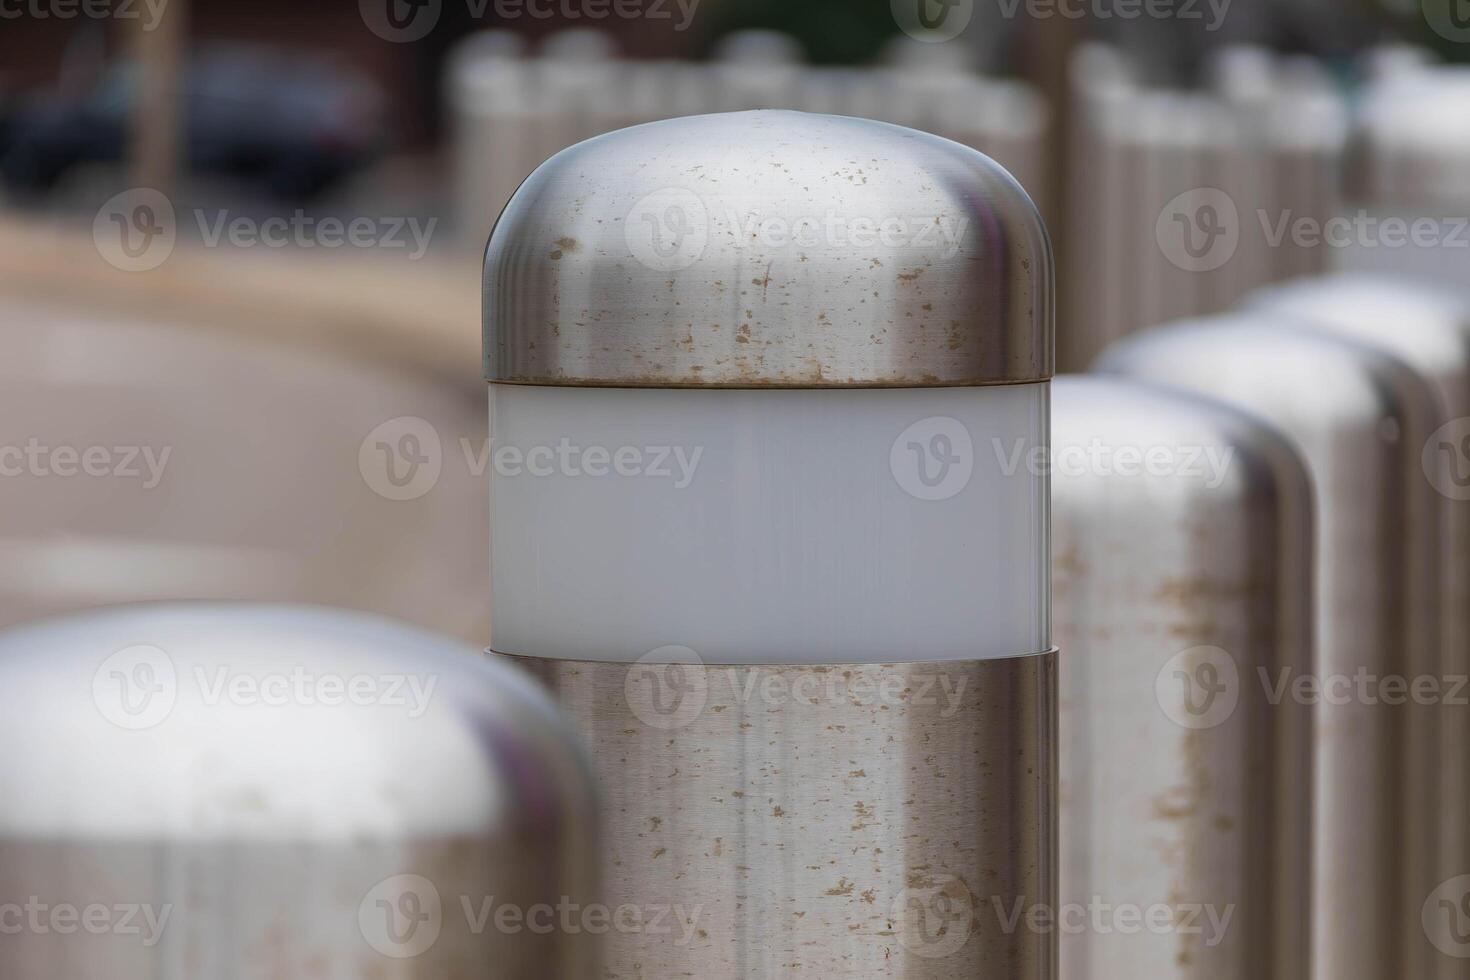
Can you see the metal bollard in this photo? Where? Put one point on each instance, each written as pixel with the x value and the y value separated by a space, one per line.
pixel 1430 331
pixel 232 790
pixel 772 566
pixel 1412 151
pixel 1360 418
pixel 1182 550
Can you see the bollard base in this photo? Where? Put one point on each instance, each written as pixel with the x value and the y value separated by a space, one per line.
pixel 868 820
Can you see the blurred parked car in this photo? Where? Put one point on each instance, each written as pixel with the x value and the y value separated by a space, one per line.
pixel 296 123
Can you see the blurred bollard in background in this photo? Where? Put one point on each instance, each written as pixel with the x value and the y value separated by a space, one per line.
pixel 1429 329
pixel 1360 419
pixel 221 790
pixel 1412 168
pixel 1175 583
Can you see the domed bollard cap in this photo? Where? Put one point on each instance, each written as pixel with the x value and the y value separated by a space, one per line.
pixel 769 249
pixel 217 790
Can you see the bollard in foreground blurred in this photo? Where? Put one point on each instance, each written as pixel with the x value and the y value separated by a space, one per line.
pixel 1182 550
pixel 1359 418
pixel 231 791
pixel 750 378
pixel 1429 329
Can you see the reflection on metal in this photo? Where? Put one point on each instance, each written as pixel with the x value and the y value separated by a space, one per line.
pixel 730 251
pixel 865 820
pixel 1430 331
pixel 232 790
pixel 1176 584
pixel 1360 419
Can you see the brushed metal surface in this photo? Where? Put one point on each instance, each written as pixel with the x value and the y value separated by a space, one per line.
pixel 768 248
pixel 1413 139
pixel 1430 330
pixel 238 790
pixel 845 821
pixel 1359 418
pixel 1182 786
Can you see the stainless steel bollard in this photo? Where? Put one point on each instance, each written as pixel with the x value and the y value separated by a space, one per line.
pixel 237 790
pixel 1412 151
pixel 1182 551
pixel 1430 331
pixel 1360 418
pixel 751 522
